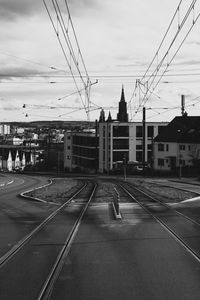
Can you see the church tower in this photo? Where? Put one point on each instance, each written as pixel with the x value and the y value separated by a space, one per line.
pixel 102 116
pixel 122 115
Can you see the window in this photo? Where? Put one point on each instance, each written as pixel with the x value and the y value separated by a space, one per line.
pixel 139 156
pixel 149 146
pixel 160 147
pixel 120 131
pixel 69 137
pixel 68 147
pixel 182 162
pixel 150 131
pixel 68 157
pixel 104 131
pixel 149 156
pixel 138 131
pixel 161 162
pixel 138 147
pixel 120 155
pixel 120 143
pixel 167 147
pixel 189 147
pixel 182 147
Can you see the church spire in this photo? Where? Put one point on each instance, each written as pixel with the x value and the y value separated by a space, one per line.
pixel 102 116
pixel 122 94
pixel 122 115
pixel 109 117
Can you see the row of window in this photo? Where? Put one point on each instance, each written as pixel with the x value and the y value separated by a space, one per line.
pixel 87 152
pixel 161 162
pixel 88 141
pixel 123 131
pixel 124 155
pixel 165 147
pixel 150 131
pixel 84 162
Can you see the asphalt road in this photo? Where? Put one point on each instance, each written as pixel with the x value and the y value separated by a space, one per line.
pixel 130 259
pixel 19 216
pixel 135 258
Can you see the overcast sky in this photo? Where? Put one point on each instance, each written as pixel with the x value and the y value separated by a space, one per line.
pixel 118 40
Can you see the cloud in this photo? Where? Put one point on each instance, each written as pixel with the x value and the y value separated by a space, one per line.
pixel 13 72
pixel 196 43
pixel 8 105
pixel 12 9
pixel 187 62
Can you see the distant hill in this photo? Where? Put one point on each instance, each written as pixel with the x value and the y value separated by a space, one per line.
pixel 53 124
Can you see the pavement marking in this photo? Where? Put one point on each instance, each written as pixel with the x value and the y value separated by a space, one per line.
pixel 10 182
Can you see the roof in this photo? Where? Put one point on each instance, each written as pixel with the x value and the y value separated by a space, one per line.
pixel 182 129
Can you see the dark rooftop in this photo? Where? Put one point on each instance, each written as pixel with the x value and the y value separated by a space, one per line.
pixel 182 129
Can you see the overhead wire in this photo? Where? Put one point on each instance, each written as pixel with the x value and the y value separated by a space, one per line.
pixel 180 26
pixel 60 20
pixel 63 50
pixel 161 76
pixel 154 74
pixel 162 41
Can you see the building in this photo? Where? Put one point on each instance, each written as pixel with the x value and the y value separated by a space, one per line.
pixel 122 141
pixel 178 146
pixel 15 157
pixel 4 129
pixel 113 141
pixel 81 151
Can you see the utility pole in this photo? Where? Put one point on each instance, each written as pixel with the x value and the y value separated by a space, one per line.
pixel 182 105
pixel 124 165
pixel 143 139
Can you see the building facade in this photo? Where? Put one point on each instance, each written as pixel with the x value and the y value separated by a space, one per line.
pixel 112 141
pixel 120 140
pixel 178 146
pixel 4 129
pixel 81 151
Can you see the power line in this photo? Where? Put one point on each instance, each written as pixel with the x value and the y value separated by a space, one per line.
pixel 154 75
pixel 72 57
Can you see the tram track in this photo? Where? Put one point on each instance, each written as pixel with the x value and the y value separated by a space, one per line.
pixel 48 286
pixel 154 200
pixel 175 226
pixel 22 242
pixel 52 239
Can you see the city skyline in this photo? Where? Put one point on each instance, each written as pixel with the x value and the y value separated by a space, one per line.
pixel 117 40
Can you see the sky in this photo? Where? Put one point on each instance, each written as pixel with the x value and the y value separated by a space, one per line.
pixel 117 40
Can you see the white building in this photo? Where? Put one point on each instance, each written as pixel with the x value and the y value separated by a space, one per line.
pixel 178 146
pixel 4 129
pixel 122 140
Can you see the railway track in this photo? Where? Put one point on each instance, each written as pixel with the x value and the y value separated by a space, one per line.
pixel 181 227
pixel 41 254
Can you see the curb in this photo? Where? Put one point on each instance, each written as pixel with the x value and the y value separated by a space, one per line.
pixel 117 216
pixel 35 198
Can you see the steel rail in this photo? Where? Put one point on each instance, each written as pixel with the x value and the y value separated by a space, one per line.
pixel 164 204
pixel 165 226
pixel 8 255
pixel 56 269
